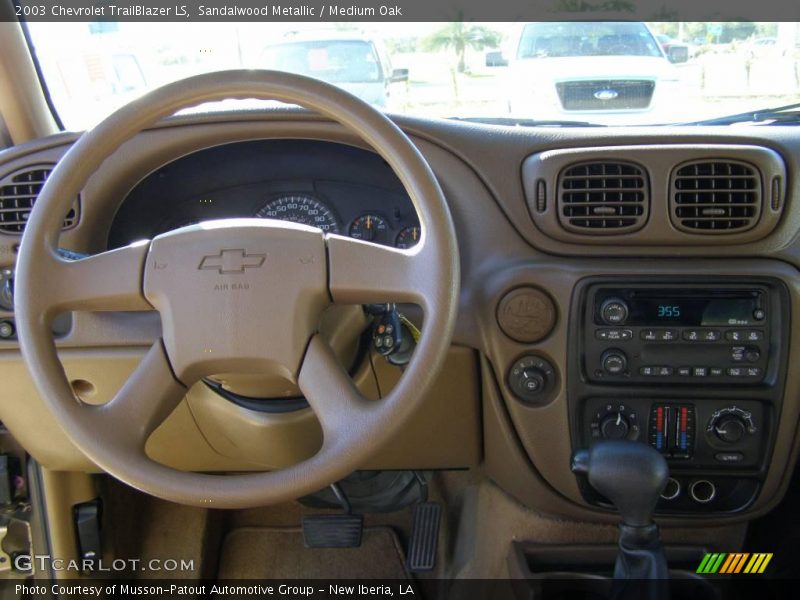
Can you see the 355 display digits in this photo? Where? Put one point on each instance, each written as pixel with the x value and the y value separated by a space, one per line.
pixel 668 311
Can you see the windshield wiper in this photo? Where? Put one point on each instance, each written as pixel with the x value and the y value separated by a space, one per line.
pixel 778 115
pixel 512 122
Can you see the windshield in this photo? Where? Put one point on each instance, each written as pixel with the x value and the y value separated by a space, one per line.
pixel 551 40
pixel 334 61
pixel 607 73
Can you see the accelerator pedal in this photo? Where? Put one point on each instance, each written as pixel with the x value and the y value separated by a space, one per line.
pixel 334 531
pixel 424 537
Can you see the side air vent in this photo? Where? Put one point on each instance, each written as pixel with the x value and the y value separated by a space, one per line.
pixel 18 192
pixel 603 197
pixel 715 196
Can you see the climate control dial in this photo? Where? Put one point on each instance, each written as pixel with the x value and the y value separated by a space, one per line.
pixel 615 421
pixel 731 425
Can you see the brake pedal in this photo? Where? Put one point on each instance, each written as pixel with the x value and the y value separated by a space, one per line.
pixel 424 537
pixel 333 531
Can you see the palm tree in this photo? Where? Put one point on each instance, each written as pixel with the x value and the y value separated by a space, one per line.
pixel 459 36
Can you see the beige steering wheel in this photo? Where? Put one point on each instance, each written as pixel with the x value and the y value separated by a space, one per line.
pixel 261 283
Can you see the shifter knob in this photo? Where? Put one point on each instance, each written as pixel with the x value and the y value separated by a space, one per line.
pixel 631 475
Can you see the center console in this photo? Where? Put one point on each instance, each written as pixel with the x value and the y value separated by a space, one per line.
pixel 694 368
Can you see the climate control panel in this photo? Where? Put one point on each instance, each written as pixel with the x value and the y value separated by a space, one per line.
pixel 714 448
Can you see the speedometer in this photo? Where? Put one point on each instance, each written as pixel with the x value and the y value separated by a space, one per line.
pixel 300 208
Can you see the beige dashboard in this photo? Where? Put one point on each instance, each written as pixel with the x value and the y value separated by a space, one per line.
pixel 472 419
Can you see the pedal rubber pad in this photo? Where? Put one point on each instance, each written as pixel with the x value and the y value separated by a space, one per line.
pixel 424 537
pixel 333 531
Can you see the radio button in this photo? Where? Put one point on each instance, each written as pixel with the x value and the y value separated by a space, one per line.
pixel 759 314
pixel 614 335
pixel 685 371
pixel 735 372
pixel 710 335
pixel 716 371
pixel 753 371
pixel 666 335
pixel 691 335
pixel 699 371
pixel 656 371
pixel 744 335
pixel 649 335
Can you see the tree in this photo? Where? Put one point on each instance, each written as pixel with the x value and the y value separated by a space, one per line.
pixel 459 36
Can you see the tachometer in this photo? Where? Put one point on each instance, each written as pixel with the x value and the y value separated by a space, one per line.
pixel 300 208
pixel 370 228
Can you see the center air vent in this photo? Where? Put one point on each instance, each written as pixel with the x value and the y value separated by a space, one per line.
pixel 603 197
pixel 715 196
pixel 18 192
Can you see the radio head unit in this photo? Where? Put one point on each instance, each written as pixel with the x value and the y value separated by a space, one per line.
pixel 677 333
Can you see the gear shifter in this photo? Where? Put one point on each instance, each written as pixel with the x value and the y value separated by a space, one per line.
pixel 631 475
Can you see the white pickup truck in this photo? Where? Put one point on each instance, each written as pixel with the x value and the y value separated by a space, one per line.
pixel 596 71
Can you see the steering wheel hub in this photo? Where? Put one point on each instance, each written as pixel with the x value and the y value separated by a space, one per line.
pixel 240 295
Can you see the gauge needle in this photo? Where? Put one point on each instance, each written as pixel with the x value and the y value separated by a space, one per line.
pixel 619 418
pixel 369 222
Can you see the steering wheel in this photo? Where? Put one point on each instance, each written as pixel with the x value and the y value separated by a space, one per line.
pixel 238 295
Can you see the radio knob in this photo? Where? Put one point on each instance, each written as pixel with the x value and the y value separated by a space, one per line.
pixel 614 362
pixel 614 427
pixel 614 311
pixel 752 354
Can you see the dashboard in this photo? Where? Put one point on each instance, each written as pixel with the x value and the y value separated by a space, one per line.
pixel 605 293
pixel 340 189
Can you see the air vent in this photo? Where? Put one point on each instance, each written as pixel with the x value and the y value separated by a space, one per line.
pixel 716 196
pixel 18 192
pixel 603 197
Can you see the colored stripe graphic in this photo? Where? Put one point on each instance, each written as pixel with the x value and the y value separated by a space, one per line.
pixel 735 562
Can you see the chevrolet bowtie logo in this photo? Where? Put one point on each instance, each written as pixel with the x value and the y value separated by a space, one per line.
pixel 232 261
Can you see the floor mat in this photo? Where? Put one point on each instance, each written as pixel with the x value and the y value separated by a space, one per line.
pixel 273 553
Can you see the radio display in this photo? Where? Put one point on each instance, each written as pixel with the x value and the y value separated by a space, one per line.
pixel 650 307
pixel 695 311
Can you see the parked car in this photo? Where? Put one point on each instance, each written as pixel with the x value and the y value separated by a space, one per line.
pixel 677 52
pixel 594 70
pixel 350 60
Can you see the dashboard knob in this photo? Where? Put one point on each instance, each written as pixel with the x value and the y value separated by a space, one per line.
pixel 614 362
pixel 533 380
pixel 730 429
pixel 614 427
pixel 752 354
pixel 614 311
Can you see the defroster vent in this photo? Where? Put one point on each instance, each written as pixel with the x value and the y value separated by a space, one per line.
pixel 715 196
pixel 18 192
pixel 603 197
